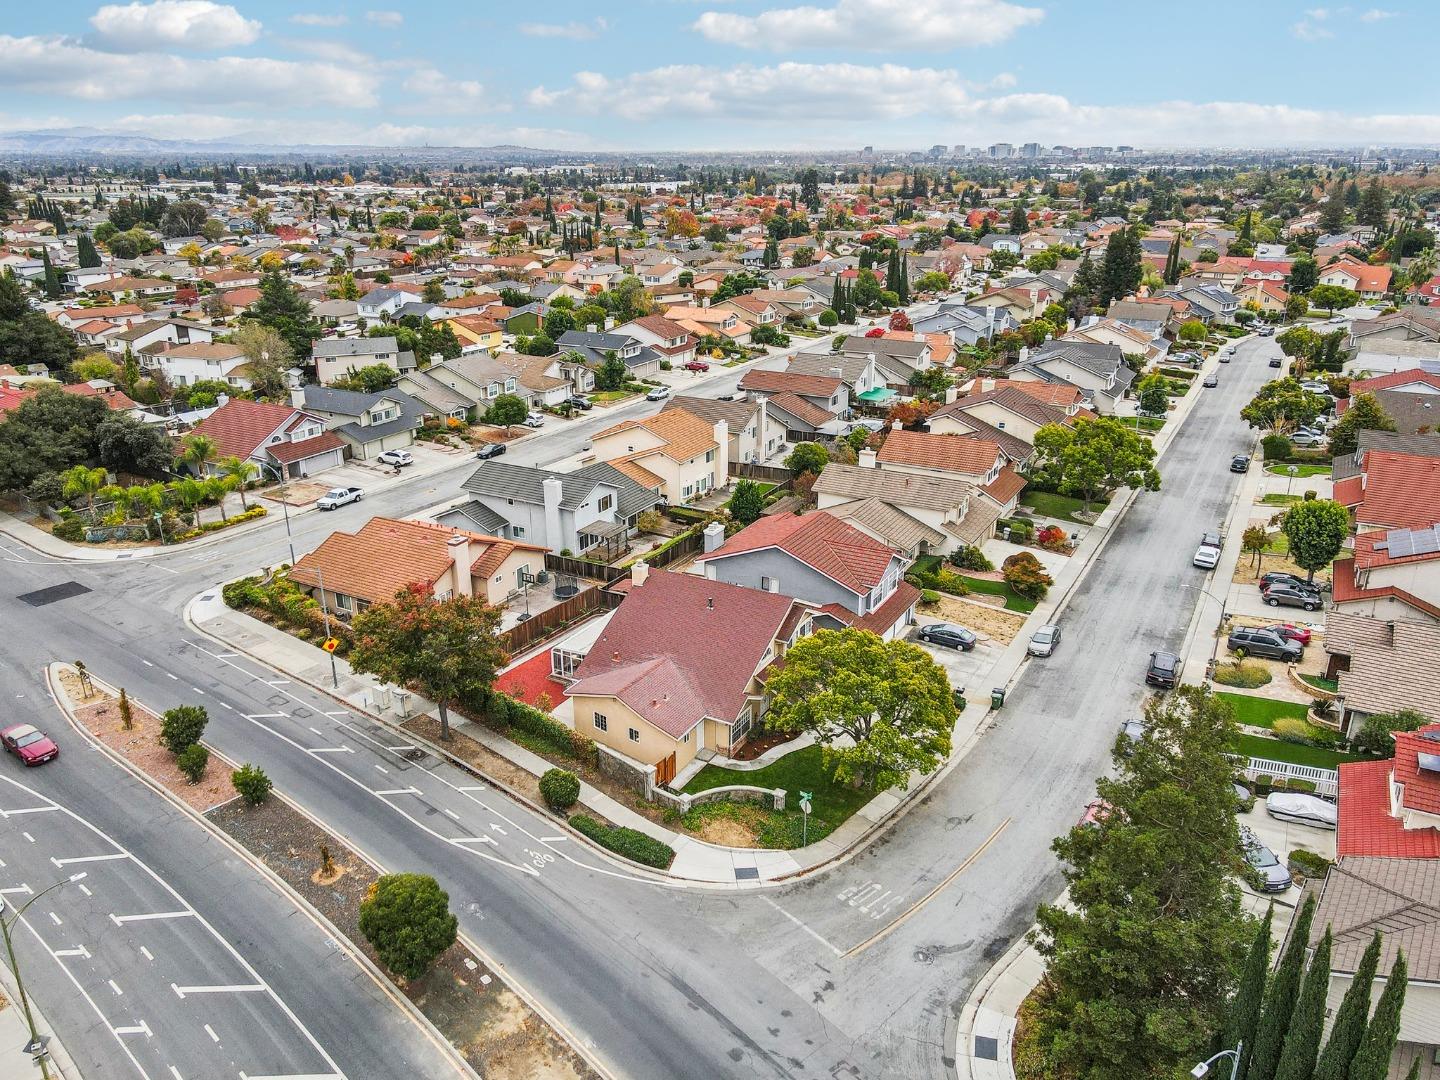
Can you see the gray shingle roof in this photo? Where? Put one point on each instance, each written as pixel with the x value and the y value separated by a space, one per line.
pixel 354 346
pixel 525 484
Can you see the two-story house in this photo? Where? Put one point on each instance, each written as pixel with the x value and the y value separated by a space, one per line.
pixel 476 379
pixel 801 406
pixel 671 340
pixel 185 365
pixel 641 360
pixel 686 455
pixel 336 357
pixel 1007 410
pixel 711 322
pixel 746 419
pixel 944 513
pixel 1097 370
pixel 155 336
pixel 977 461
pixel 285 442
pixel 369 424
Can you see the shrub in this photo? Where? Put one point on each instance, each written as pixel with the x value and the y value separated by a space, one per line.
pixel 1377 734
pixel 192 761
pixel 666 365
pixel 182 726
pixel 407 918
pixel 954 584
pixel 1052 537
pixel 251 783
pixel 1024 573
pixel 970 557
pixel 828 318
pixel 560 789
pixel 1293 729
pixel 628 843
pixel 1275 447
pixel 929 596
pixel 1022 530
pixel 1241 674
pixel 1308 863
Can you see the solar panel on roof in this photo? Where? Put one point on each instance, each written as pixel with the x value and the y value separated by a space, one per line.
pixel 1428 762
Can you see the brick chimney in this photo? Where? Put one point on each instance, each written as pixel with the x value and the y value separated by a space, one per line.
pixel 460 558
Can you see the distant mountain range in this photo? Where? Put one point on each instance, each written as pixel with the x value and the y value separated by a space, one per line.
pixel 99 142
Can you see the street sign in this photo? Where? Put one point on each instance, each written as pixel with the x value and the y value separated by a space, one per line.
pixel 805 798
pixel 36 1046
pixel 331 644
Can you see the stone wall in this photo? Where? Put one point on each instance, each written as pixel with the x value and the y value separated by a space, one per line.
pixel 630 773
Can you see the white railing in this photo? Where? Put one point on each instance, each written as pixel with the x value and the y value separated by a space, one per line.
pixel 1326 781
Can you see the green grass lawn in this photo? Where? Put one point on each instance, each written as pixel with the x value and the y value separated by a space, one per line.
pixel 1143 423
pixel 1294 753
pixel 804 770
pixel 1280 499
pixel 1321 683
pixel 611 395
pixel 1013 600
pixel 1259 711
pixel 1061 507
pixel 1301 470
pixel 1279 544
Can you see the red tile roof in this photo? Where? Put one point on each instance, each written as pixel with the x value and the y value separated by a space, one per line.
pixel 239 427
pixel 1401 490
pixel 1422 786
pixel 777 382
pixel 1005 486
pixel 1344 590
pixel 286 452
pixel 883 617
pixel 839 551
pixel 1366 827
pixel 950 453
pixel 1373 548
pixel 1349 491
pixel 1395 379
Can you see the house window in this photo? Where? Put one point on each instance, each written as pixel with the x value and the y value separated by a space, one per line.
pixel 509 385
pixel 606 501
pixel 517 532
pixel 741 727
pixel 634 734
pixel 766 583
pixel 709 456
pixel 685 738
pixel 343 602
pixel 602 724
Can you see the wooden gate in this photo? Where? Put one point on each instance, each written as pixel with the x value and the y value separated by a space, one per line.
pixel 665 770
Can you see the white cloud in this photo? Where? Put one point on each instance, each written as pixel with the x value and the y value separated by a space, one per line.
pixel 872 25
pixel 385 18
pixel 177 24
pixel 436 92
pixel 1377 15
pixel 1320 23
pixel 53 65
pixel 575 31
pixel 183 125
pixel 337 52
pixel 311 19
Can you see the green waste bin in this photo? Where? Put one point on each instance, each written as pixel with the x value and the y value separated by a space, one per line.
pixel 997 697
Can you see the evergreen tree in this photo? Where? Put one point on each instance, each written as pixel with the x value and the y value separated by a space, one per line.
pixel 1302 1041
pixel 1332 214
pixel 1280 1000
pixel 1019 223
pixel 1374 206
pixel 1372 1060
pixel 771 258
pixel 1349 1026
pixel 87 255
pixel 904 281
pixel 1121 270
pixel 892 271
pixel 1247 228
pixel 1244 1010
pixel 1172 262
pixel 52 279
pixel 282 308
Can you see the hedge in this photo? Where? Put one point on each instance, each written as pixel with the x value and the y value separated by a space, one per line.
pixel 215 526
pixel 630 843
pixel 505 712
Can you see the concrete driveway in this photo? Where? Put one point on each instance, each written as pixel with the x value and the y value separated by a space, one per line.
pixel 969 671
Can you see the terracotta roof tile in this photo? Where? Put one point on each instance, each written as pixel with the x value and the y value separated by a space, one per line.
pixel 1400 490
pixel 837 550
pixel 1366 827
pixel 951 453
pixel 286 452
pixel 239 427
pixel 685 435
pixel 1422 786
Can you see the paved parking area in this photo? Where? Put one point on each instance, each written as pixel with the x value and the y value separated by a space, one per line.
pixel 967 670
pixel 1282 837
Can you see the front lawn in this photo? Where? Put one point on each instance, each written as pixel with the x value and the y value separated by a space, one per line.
pixel 1301 471
pixel 604 396
pixel 803 770
pixel 1013 600
pixel 1321 683
pixel 1061 507
pixel 1294 753
pixel 1276 498
pixel 1259 711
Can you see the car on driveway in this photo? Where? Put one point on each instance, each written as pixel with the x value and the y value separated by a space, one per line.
pixel 1281 577
pixel 696 365
pixel 1044 640
pixel 658 393
pixel 338 497
pixel 1164 670
pixel 1258 641
pixel 1291 632
pixel 535 420
pixel 28 743
pixel 580 401
pixel 1307 439
pixel 1213 379
pixel 489 450
pixel 1240 463
pixel 398 458
pixel 948 635
pixel 1290 596
pixel 1269 874
pixel 1303 809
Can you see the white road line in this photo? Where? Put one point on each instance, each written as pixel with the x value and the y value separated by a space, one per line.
pixel 176 1073
pixel 147 953
pixel 85 890
pixel 120 920
pixel 238 988
pixel 397 748
pixel 224 655
pixel 115 986
pixel 264 716
pixel 294 1076
pixel 452 813
pixel 398 791
pixel 170 676
pixel 211 1032
pixel 383 769
pixel 316 730
pixel 473 840
pixel 22 889
pixel 28 837
pixel 481 787
pixel 25 810
pixel 55 918
pixel 141 1028
pixel 331 750
pixel 90 858
pixel 802 926
pixel 226 705
pixel 339 712
pixel 552 839
pixel 147 663
pixel 198 691
pixel 79 950
pixel 277 682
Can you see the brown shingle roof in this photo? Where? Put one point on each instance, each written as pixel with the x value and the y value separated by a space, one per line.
pixel 778 382
pixel 840 552
pixel 239 427
pixel 1398 897
pixel 952 453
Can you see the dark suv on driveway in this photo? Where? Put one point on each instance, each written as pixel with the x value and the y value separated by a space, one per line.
pixel 1258 641
pixel 1164 670
pixel 1291 596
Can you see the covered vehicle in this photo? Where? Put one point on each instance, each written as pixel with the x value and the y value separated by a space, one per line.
pixel 1303 809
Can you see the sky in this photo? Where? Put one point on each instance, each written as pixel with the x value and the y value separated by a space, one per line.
pixel 696 75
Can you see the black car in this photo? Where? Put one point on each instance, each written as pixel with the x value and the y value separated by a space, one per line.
pixel 1290 596
pixel 1275 361
pixel 1164 670
pixel 1280 577
pixel 489 450
pixel 1240 463
pixel 949 635
pixel 1259 641
pixel 581 402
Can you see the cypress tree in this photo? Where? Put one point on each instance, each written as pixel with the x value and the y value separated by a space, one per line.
pixel 1349 1026
pixel 52 279
pixel 1244 1011
pixel 1302 1041
pixel 1372 1060
pixel 904 289
pixel 1280 1000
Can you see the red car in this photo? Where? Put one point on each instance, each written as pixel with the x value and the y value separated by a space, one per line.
pixel 29 744
pixel 697 365
pixel 1291 632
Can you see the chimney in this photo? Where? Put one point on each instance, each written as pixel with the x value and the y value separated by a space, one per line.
pixel 609 322
pixel 896 425
pixel 297 398
pixel 868 459
pixel 460 558
pixel 638 573
pixel 592 328
pixel 714 536
pixel 553 490
pixel 705 301
pixel 951 393
pixel 221 400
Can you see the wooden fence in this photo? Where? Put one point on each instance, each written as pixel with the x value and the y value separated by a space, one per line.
pixel 751 470
pixel 596 571
pixel 550 622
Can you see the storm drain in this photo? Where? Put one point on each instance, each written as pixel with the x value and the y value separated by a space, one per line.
pixel 746 873
pixel 987 1048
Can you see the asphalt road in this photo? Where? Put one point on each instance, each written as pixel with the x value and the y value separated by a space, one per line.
pixel 858 972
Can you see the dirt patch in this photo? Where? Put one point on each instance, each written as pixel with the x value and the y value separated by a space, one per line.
pixel 727 832
pixel 767 740
pixel 99 713
pixel 496 1032
pixel 296 493
pixel 977 614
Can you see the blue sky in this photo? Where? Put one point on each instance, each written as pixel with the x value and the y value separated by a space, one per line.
pixel 728 74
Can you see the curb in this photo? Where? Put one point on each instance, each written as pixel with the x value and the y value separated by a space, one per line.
pixel 62 700
pixel 60 1062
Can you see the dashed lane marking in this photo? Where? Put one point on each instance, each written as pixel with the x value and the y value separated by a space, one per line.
pixel 90 858
pixel 211 1032
pixel 25 810
pixel 147 953
pixel 141 1028
pixel 55 918
pixel 79 950
pixel 116 987
pixel 397 791
pixel 833 948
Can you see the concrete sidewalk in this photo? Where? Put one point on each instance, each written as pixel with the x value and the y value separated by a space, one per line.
pixel 15 1033
pixel 987 1020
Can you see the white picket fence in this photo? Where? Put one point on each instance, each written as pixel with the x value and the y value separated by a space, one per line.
pixel 1326 781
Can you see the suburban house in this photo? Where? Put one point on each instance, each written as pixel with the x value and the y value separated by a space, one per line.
pixel 476 332
pixel 1005 410
pixel 285 442
pixel 1371 282
pixel 1394 574
pixel 369 424
pixel 155 336
pixel 859 371
pixel 572 511
pixel 803 406
pixel 185 365
pixel 978 461
pixel 1391 491
pixel 1209 303
pixel 711 322
pixel 1381 666
pixel 475 378
pixel 641 360
pixel 746 421
pixel 336 357
pixel 967 325
pixel 685 455
pixel 385 555
pixel 671 340
pixel 1097 370
pixel 680 667
pixel 897 360
pixel 951 512
pixel 1126 338
pixel 849 577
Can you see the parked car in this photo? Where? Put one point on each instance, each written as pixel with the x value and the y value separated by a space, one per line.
pixel 1258 641
pixel 535 420
pixel 580 401
pixel 1164 670
pixel 1275 361
pixel 658 393
pixel 1291 632
pixel 1307 439
pixel 1304 809
pixel 1267 331
pixel 398 458
pixel 1131 731
pixel 1270 875
pixel 1205 557
pixel 338 497
pixel 28 743
pixel 1240 463
pixel 949 635
pixel 1044 640
pixel 1096 811
pixel 489 450
pixel 1213 379
pixel 1316 386
pixel 696 365
pixel 1281 577
pixel 1224 358
pixel 1290 596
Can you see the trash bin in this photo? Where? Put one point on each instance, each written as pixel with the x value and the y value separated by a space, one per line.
pixel 997 697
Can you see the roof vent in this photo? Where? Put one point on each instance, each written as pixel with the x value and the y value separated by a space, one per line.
pixel 615 657
pixel 709 603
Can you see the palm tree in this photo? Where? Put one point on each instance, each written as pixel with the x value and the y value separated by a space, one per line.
pixel 116 496
pixel 217 487
pixel 197 451
pixel 79 480
pixel 241 472
pixel 190 493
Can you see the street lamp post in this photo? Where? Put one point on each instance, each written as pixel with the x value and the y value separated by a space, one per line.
pixel 36 1045
pixel 1203 1069
pixel 1291 473
pixel 285 508
pixel 1215 642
